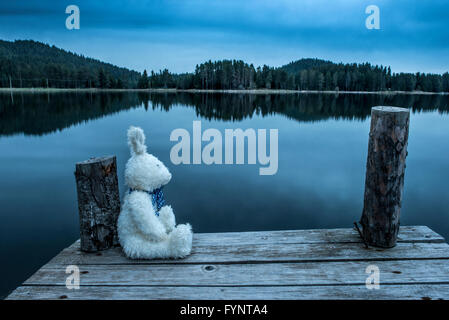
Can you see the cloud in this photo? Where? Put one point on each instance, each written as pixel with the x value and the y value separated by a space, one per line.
pixel 334 28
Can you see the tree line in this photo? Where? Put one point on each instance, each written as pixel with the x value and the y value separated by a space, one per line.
pixel 304 74
pixel 27 63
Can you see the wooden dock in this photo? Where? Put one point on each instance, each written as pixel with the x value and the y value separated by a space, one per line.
pixel 302 264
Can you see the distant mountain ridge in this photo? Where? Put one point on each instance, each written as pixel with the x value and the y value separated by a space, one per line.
pixel 32 64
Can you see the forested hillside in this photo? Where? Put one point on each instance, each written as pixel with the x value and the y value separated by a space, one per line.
pixel 304 74
pixel 34 64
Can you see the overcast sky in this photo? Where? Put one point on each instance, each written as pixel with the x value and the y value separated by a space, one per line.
pixel 413 35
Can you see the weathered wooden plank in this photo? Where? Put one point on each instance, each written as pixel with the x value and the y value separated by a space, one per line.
pixel 386 292
pixel 305 264
pixel 329 273
pixel 408 234
pixel 345 235
pixel 263 253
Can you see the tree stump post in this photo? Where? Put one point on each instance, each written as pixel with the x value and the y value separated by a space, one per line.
pixel 98 202
pixel 387 150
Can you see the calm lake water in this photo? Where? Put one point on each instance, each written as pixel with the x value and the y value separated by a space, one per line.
pixel 319 184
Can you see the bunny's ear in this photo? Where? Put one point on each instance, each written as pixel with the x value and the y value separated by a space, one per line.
pixel 136 140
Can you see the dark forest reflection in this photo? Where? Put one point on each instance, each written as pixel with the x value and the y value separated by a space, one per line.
pixel 38 114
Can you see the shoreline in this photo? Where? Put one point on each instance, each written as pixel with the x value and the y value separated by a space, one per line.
pixel 233 91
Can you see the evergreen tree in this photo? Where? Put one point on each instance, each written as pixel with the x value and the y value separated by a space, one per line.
pixel 31 63
pixel 102 79
pixel 34 64
pixel 144 81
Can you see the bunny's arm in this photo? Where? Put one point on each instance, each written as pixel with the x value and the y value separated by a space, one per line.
pixel 167 217
pixel 146 221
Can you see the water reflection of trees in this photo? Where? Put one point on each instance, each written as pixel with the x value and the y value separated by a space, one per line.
pixel 301 107
pixel 37 114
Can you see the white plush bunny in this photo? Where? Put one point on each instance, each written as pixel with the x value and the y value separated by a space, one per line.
pixel 146 227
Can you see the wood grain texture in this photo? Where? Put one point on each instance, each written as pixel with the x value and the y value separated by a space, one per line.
pixel 263 253
pixel 273 274
pixel 407 234
pixel 98 203
pixel 302 264
pixel 385 168
pixel 386 292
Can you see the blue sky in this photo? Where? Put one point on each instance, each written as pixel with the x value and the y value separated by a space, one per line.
pixel 177 35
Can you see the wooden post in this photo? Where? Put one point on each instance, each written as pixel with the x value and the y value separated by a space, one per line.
pixel 387 150
pixel 98 202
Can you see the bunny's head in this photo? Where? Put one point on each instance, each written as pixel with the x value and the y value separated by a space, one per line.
pixel 143 171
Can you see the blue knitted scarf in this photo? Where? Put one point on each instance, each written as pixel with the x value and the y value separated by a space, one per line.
pixel 157 198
